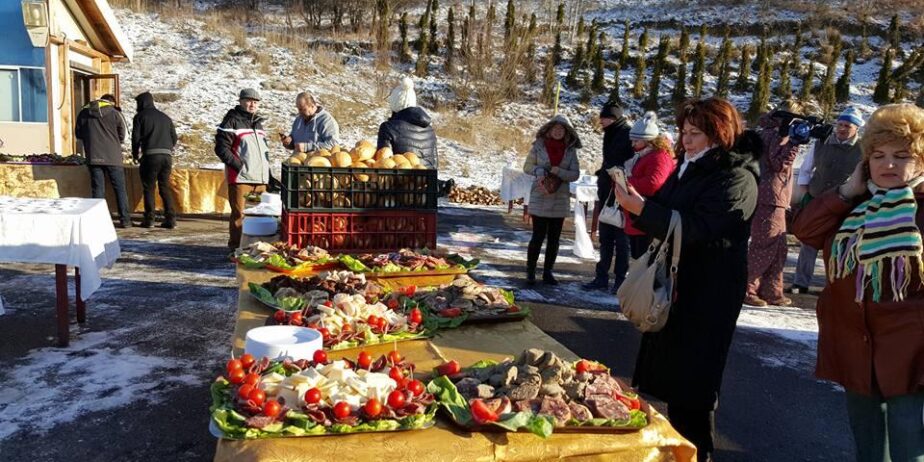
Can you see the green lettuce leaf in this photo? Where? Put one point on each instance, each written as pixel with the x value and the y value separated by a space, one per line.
pixel 482 364
pixel 458 260
pixel 449 397
pixel 279 261
pixel 221 393
pixel 508 297
pixel 291 303
pixel 353 264
pixel 540 425
pixel 262 294
pixel 250 262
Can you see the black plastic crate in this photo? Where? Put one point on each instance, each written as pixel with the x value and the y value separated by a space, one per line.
pixel 329 189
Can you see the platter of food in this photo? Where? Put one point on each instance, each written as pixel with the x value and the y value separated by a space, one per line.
pixel 289 293
pixel 270 399
pixel 406 262
pixel 463 301
pixel 540 393
pixel 284 258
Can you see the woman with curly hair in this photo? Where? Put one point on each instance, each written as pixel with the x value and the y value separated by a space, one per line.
pixel 871 313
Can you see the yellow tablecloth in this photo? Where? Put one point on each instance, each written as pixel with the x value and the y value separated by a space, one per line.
pixel 657 442
pixel 195 191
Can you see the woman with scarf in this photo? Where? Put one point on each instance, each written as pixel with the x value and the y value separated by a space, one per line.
pixel 871 314
pixel 647 170
pixel 553 161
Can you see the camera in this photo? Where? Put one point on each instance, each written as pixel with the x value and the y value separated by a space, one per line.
pixel 800 128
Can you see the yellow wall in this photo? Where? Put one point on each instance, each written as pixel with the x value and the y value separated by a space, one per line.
pixel 24 138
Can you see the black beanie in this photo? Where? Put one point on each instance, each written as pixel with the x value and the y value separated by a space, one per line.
pixel 611 110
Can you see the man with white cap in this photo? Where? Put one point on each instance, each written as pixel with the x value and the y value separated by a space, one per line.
pixel 832 162
pixel 408 129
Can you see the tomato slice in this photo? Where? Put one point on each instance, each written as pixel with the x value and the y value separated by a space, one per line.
pixel 482 413
pixel 630 399
pixel 450 368
pixel 451 312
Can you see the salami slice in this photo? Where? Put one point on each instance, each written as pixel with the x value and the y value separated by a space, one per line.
pixel 607 407
pixel 580 412
pixel 556 408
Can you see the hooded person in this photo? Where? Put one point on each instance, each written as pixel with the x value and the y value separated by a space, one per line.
pixel 408 129
pixel 314 128
pixel 153 140
pixel 825 167
pixel 553 161
pixel 614 244
pixel 240 143
pixel 101 128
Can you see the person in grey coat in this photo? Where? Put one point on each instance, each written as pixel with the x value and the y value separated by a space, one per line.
pixel 314 126
pixel 553 161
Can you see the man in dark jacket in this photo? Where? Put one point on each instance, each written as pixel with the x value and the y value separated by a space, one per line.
pixel 617 149
pixel 153 139
pixel 102 130
pixel 408 129
pixel 241 144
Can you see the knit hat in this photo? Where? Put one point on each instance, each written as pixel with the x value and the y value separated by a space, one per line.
pixel 249 93
pixel 646 128
pixel 402 96
pixel 852 115
pixel 611 110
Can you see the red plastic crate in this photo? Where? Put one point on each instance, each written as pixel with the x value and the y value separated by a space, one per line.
pixel 360 232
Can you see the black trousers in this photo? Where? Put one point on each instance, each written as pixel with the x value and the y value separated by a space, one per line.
pixel 639 244
pixel 116 174
pixel 155 170
pixel 543 228
pixel 696 425
pixel 614 251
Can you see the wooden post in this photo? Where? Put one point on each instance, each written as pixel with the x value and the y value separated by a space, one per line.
pixel 81 305
pixel 61 303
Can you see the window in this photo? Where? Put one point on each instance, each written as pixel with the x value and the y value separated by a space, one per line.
pixel 23 95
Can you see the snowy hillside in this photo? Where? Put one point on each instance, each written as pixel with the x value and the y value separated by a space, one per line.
pixel 196 62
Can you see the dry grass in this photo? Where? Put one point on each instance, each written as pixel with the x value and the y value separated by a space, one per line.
pixel 491 133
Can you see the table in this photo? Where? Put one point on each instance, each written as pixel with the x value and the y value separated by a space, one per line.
pixel 516 184
pixel 583 190
pixel 445 442
pixel 195 190
pixel 64 232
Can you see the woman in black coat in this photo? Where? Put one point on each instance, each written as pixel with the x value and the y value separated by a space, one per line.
pixel 409 128
pixel 715 191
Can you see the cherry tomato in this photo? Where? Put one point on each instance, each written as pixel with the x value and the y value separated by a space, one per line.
pixel 373 320
pixel 415 316
pixel 629 399
pixel 279 316
pixel 416 387
pixel 373 407
pixel 272 408
pixel 482 413
pixel 313 396
pixel 252 379
pixel 364 360
pixel 409 291
pixel 396 399
pixel 257 396
pixel 236 376
pixel 392 304
pixel 582 366
pixel 296 318
pixel 396 374
pixel 401 383
pixel 320 357
pixel 342 410
pixel 313 325
pixel 451 312
pixel 325 333
pixel 328 303
pixel 235 364
pixel 347 328
pixel 247 360
pixel 244 391
pixel 394 357
pixel 383 323
pixel 450 368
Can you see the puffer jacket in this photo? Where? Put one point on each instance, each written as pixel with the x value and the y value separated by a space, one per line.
pixel 409 130
pixel 101 128
pixel 241 144
pixel 557 204
pixel 321 132
pixel 153 131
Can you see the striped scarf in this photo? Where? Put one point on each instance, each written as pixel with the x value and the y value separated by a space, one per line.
pixel 880 234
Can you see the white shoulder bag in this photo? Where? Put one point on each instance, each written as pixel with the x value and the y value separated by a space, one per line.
pixel 646 295
pixel 612 215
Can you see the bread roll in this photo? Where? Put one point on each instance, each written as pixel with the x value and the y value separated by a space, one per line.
pixel 342 159
pixel 383 153
pixel 319 161
pixel 412 158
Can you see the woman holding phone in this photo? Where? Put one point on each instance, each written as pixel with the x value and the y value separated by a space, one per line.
pixel 871 313
pixel 715 192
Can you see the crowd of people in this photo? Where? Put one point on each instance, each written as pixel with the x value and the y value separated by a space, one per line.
pixel 860 199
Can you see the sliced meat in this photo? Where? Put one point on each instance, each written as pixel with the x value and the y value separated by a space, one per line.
pixel 468 387
pixel 259 421
pixel 556 408
pixel 606 379
pixel 575 390
pixel 527 405
pixel 484 391
pixel 599 389
pixel 607 407
pixel 500 405
pixel 551 389
pixel 526 390
pixel 580 412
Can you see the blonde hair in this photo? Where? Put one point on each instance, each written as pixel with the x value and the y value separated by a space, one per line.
pixel 895 122
pixel 662 143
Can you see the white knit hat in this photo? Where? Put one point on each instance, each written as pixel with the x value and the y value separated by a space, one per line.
pixel 402 96
pixel 645 128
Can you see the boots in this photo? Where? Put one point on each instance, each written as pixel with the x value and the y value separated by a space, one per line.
pixel 530 273
pixel 548 279
pixel 148 221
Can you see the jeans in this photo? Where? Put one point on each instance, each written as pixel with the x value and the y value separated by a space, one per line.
pixel 887 429
pixel 805 266
pixel 116 175
pixel 155 170
pixel 543 228
pixel 613 243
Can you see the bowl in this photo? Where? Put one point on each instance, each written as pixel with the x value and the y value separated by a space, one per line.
pixel 278 342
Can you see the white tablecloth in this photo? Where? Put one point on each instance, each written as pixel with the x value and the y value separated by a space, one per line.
pixel 515 184
pixel 583 190
pixel 70 231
